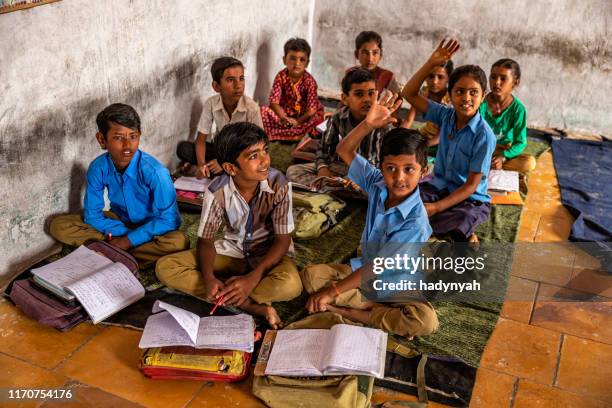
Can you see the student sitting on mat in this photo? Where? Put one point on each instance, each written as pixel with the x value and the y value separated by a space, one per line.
pixel 436 90
pixel 456 199
pixel 250 266
pixel 369 52
pixel 358 89
pixel 294 109
pixel 143 216
pixel 230 105
pixel 395 215
pixel 506 115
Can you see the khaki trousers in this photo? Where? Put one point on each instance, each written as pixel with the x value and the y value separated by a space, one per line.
pixel 181 272
pixel 523 163
pixel 72 230
pixel 412 318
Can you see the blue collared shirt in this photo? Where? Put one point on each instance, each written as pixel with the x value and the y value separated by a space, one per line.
pixel 143 197
pixel 386 229
pixel 460 152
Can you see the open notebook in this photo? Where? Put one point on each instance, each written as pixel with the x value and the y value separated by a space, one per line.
pixel 192 184
pixel 502 182
pixel 178 327
pixel 343 349
pixel 102 286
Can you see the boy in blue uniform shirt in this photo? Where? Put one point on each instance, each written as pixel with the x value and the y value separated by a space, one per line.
pixel 143 216
pixel 456 199
pixel 396 219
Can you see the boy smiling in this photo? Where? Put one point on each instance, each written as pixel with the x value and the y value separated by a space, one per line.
pixel 143 215
pixel 249 267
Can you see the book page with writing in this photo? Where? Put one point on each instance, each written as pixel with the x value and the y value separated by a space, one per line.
pixel 190 322
pixel 107 291
pixel 355 350
pixel 191 184
pixel 298 352
pixel 503 180
pixel 227 332
pixel 163 330
pixel 67 270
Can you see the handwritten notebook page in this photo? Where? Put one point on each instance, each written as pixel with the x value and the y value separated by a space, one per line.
pixel 107 291
pixel 189 322
pixel 227 332
pixel 298 352
pixel 356 350
pixel 191 184
pixel 74 266
pixel 162 330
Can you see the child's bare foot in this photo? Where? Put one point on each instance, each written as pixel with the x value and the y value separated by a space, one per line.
pixel 266 311
pixel 473 241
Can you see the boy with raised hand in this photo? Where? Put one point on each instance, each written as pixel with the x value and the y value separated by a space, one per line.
pixel 250 267
pixel 358 89
pixel 230 105
pixel 396 219
pixel 143 216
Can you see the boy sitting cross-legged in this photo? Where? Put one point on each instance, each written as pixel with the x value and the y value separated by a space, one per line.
pixel 250 266
pixel 395 215
pixel 358 89
pixel 143 216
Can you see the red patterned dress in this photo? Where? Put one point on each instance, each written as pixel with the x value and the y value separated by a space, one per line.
pixel 295 99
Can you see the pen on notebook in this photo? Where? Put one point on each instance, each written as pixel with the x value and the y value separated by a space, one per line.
pixel 217 304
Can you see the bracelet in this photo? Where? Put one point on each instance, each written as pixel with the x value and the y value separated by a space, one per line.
pixel 333 285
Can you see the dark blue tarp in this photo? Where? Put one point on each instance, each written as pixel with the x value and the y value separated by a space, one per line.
pixel 584 171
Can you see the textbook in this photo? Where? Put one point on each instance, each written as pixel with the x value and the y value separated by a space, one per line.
pixel 342 350
pixel 191 184
pixel 503 181
pixel 103 287
pixel 173 326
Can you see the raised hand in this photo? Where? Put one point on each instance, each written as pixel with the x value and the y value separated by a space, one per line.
pixel 381 110
pixel 445 50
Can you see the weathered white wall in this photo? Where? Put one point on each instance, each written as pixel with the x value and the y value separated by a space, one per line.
pixel 60 64
pixel 564 47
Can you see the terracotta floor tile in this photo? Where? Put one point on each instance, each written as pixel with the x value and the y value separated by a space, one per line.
pixel 591 281
pixel 110 362
pixel 523 351
pixel 24 338
pixel 19 374
pixel 585 368
pixel 532 395
pixel 87 397
pixel 492 389
pixel 572 312
pixel 528 225
pixel 551 229
pixel 381 395
pixel 519 299
pixel 221 395
pixel 544 262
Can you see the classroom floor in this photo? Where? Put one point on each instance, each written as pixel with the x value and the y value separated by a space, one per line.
pixel 541 354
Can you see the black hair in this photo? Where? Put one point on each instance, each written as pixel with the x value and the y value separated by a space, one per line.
pixel 510 64
pixel 473 71
pixel 367 36
pixel 448 66
pixel 297 44
pixel 120 114
pixel 220 65
pixel 404 141
pixel 355 76
pixel 234 138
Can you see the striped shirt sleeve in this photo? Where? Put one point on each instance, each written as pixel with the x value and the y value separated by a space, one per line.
pixel 282 214
pixel 211 218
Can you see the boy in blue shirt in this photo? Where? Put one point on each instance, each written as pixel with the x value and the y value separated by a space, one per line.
pixel 456 199
pixel 143 217
pixel 396 219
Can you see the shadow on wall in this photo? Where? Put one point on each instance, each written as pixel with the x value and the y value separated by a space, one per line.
pixel 263 61
pixel 196 112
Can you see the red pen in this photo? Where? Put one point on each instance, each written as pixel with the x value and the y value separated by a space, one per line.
pixel 217 304
pixel 110 236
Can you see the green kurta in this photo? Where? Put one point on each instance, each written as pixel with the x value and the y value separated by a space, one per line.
pixel 510 127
